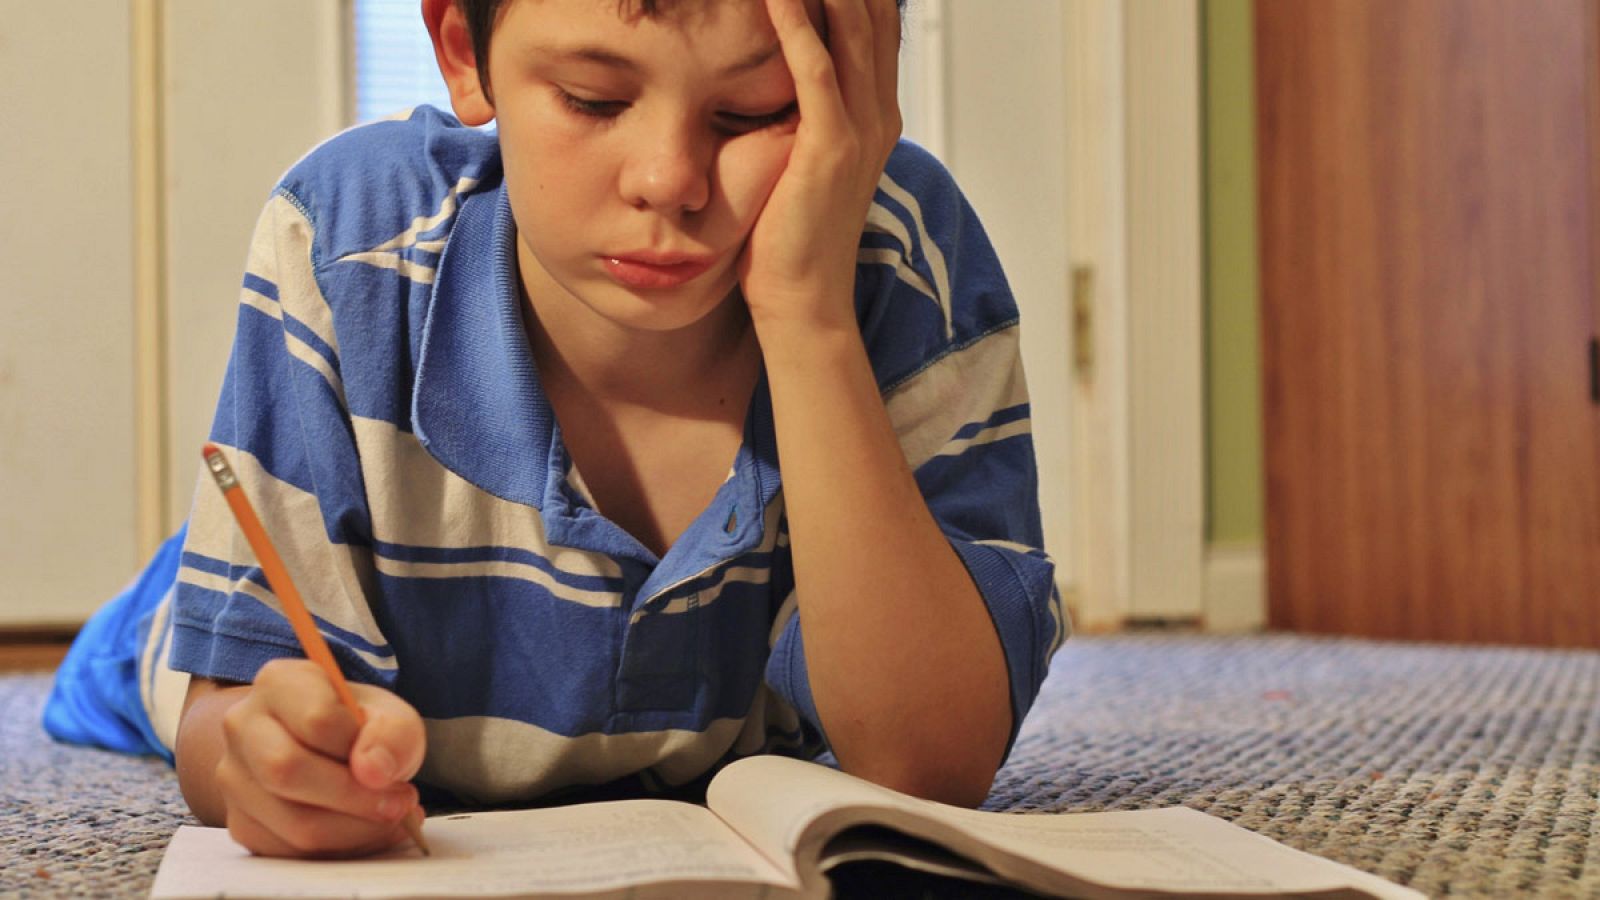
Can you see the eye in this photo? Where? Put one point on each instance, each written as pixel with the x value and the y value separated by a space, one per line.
pixel 594 109
pixel 739 123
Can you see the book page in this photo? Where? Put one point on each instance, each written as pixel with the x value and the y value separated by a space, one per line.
pixel 789 809
pixel 771 800
pixel 1176 850
pixel 589 848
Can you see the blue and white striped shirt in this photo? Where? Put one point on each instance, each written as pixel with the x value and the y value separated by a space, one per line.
pixel 383 412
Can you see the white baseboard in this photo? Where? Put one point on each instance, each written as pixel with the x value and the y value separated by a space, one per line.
pixel 1235 589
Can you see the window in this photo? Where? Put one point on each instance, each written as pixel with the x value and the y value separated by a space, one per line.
pixel 394 65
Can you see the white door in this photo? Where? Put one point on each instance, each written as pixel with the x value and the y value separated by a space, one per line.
pixel 983 87
pixel 1074 129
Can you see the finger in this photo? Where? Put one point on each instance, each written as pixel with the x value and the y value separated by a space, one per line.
pixel 392 744
pixel 886 33
pixel 272 826
pixel 815 83
pixel 255 837
pixel 303 828
pixel 262 756
pixel 851 42
pixel 298 694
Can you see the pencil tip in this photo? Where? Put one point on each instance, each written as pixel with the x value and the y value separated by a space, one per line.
pixel 414 829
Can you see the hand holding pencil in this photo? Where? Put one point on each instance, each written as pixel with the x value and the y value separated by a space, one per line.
pixel 308 772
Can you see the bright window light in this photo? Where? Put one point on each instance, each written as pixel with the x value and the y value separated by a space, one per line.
pixel 395 69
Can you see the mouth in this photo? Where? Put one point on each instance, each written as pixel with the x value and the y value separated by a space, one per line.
pixel 654 271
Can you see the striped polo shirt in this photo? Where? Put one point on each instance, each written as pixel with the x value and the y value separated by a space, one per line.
pixel 384 414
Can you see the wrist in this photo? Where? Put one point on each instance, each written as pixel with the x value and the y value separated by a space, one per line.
pixel 800 304
pixel 802 342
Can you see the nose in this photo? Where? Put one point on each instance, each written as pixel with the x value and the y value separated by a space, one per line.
pixel 669 169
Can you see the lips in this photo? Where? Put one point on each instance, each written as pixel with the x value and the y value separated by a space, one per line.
pixel 655 271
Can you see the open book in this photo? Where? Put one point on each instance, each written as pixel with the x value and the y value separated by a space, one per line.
pixel 774 827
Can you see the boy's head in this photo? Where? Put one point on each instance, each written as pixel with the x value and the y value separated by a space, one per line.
pixel 639 141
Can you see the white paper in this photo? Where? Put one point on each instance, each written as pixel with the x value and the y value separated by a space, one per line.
pixel 1175 849
pixel 591 847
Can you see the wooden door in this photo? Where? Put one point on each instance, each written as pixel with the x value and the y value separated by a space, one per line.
pixel 1428 227
pixel 1592 32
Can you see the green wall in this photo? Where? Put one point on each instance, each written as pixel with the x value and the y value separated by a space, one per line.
pixel 1234 468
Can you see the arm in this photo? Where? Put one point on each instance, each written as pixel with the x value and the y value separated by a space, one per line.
pixel 906 669
pixel 905 665
pixel 200 746
pixel 263 745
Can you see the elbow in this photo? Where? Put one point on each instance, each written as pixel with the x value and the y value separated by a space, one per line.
pixel 950 765
pixel 941 778
pixel 966 789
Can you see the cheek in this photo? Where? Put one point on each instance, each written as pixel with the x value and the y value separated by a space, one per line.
pixel 748 170
pixel 554 181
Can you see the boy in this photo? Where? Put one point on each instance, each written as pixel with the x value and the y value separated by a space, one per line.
pixel 513 407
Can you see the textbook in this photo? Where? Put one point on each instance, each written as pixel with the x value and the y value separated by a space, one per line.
pixel 773 827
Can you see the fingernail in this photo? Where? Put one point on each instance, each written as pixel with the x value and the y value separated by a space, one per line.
pixel 392 808
pixel 382 763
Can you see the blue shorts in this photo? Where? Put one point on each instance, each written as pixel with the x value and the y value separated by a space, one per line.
pixel 97 699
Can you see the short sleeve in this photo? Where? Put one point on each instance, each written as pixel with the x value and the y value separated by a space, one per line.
pixel 943 334
pixel 282 422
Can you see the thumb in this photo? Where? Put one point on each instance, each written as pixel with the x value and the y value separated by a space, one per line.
pixel 391 745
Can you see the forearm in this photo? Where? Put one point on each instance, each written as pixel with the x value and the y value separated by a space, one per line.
pixel 201 744
pixel 905 664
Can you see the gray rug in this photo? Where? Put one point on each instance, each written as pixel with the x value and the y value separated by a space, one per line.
pixel 1459 771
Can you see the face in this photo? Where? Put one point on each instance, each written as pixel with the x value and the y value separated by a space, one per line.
pixel 638 151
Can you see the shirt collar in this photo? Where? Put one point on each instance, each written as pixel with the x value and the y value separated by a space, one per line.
pixel 476 404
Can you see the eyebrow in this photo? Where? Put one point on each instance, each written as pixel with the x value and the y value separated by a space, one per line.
pixel 612 59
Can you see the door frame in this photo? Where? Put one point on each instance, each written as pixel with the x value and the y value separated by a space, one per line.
pixel 1134 173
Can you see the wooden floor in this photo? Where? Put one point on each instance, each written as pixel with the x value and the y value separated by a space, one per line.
pixel 32 650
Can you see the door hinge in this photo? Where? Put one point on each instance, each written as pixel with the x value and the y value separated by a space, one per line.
pixel 1594 370
pixel 1083 322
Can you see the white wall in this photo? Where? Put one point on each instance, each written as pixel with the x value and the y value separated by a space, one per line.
pixel 66 352
pixel 249 88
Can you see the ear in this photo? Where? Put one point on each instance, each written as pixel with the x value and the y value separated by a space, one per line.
pixel 452 47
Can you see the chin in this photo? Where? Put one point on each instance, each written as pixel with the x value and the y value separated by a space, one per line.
pixel 660 311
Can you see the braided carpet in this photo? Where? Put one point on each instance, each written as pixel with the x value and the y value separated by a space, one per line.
pixel 1459 771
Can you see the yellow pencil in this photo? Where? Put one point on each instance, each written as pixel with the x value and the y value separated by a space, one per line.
pixel 311 640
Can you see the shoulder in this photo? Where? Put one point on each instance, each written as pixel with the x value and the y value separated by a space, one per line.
pixel 929 281
pixel 346 250
pixel 373 182
pixel 913 171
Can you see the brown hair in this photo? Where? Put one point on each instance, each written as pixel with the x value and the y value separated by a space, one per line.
pixel 483 15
